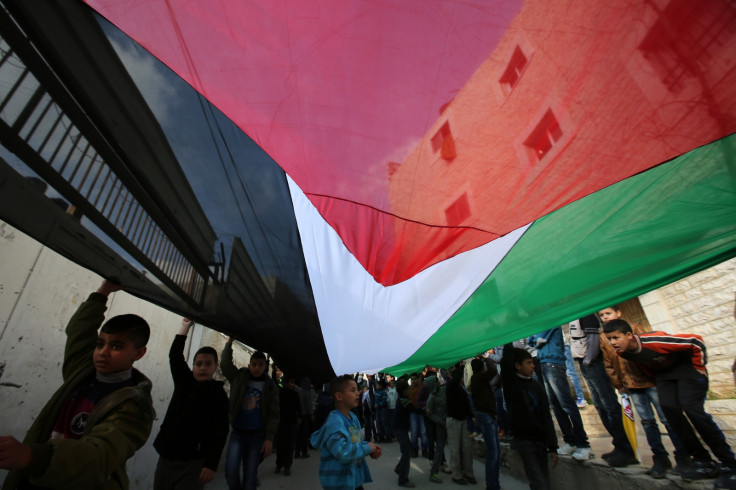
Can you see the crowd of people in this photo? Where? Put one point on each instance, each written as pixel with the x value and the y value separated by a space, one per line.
pixel 103 412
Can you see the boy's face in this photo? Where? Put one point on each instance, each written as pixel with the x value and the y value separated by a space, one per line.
pixel 114 353
pixel 350 396
pixel 608 314
pixel 257 367
pixel 621 342
pixel 526 368
pixel 204 367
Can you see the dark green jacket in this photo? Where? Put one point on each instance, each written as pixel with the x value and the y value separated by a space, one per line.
pixel 117 427
pixel 239 379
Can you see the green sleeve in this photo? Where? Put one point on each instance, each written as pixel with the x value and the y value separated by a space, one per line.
pixel 91 461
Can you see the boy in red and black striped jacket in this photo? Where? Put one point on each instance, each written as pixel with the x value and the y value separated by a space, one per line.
pixel 677 363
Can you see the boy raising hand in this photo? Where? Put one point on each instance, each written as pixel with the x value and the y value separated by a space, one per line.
pixel 99 417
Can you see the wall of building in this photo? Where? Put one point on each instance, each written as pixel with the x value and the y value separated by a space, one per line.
pixel 39 292
pixel 702 304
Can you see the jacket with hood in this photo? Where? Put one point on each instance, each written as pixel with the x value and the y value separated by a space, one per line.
pixel 116 428
pixel 239 380
pixel 342 449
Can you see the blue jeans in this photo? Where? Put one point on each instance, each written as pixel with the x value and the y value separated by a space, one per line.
pixel 402 467
pixel 417 431
pixel 643 400
pixel 606 403
pixel 572 373
pixel 489 428
pixel 564 406
pixel 243 451
pixel 383 424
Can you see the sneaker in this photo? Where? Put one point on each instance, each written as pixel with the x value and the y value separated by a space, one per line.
pixel 435 478
pixel 583 454
pixel 407 484
pixel 620 460
pixel 471 480
pixel 700 470
pixel 460 481
pixel 727 479
pixel 566 450
pixel 582 402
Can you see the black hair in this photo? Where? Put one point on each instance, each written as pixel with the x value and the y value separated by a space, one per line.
pixel 259 355
pixel 135 328
pixel 476 365
pixel 339 384
pixel 520 355
pixel 401 386
pixel 207 350
pixel 617 325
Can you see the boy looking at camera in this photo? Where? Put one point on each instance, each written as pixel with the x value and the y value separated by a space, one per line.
pixel 342 448
pixel 254 416
pixel 99 417
pixel 195 427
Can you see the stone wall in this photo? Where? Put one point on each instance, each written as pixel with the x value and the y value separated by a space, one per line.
pixel 702 304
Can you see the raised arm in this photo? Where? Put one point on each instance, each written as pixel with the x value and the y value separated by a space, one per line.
pixel 179 368
pixel 81 331
pixel 226 362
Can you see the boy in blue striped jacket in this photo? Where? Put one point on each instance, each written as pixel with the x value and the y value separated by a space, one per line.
pixel 342 449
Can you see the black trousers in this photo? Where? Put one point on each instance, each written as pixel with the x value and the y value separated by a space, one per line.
pixel 682 402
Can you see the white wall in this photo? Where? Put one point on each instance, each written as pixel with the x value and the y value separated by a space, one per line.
pixel 39 292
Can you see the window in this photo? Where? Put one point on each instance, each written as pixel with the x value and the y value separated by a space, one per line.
pixel 444 142
pixel 458 211
pixel 544 136
pixel 512 74
pixel 686 37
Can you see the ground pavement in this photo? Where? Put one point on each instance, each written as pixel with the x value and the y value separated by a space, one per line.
pixel 304 474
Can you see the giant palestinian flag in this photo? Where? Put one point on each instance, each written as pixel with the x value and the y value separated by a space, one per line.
pixel 460 173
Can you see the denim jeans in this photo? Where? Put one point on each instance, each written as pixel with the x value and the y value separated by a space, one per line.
pixel 402 467
pixel 564 406
pixel 606 403
pixel 418 433
pixel 243 451
pixel 534 458
pixel 572 373
pixel 383 424
pixel 643 400
pixel 489 428
pixel 439 448
pixel 390 425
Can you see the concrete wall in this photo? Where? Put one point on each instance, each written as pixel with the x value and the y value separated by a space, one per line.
pixel 702 304
pixel 39 292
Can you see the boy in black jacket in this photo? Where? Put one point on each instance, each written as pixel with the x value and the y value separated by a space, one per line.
pixel 195 427
pixel 529 417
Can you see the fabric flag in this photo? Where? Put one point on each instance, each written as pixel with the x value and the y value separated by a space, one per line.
pixel 464 174
pixel 627 413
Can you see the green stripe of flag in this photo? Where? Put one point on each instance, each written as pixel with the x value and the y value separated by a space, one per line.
pixel 627 239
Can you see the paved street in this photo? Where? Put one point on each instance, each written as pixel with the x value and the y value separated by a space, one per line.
pixel 304 474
